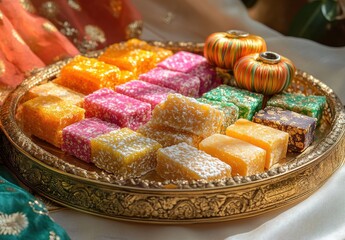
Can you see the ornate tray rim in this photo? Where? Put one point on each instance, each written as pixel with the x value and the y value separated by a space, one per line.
pixel 35 166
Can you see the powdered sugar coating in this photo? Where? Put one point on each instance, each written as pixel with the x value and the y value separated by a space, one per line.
pixel 193 64
pixel 187 114
pixel 184 162
pixel 117 108
pixel 124 152
pixel 144 91
pixel 182 61
pixel 76 137
pixel 182 83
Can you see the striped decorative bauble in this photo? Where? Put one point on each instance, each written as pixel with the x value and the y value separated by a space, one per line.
pixel 223 49
pixel 267 73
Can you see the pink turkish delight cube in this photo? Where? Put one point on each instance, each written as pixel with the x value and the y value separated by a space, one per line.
pixel 76 137
pixel 144 91
pixel 193 64
pixel 182 61
pixel 182 83
pixel 117 108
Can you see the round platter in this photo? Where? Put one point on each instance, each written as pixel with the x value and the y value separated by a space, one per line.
pixel 82 186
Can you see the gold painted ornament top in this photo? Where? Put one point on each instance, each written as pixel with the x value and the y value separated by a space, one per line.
pixel 237 34
pixel 269 57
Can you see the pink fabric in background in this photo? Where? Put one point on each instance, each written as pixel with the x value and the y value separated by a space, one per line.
pixel 89 24
pixel 40 32
pixel 16 57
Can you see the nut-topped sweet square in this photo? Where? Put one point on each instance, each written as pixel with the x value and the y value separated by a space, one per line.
pixel 301 128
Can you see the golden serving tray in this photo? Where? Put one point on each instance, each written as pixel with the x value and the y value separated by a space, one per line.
pixel 82 186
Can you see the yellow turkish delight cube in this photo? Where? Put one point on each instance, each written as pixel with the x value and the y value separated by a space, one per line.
pixel 185 162
pixel 86 75
pixel 46 116
pixel 52 89
pixel 244 158
pixel 124 152
pixel 187 114
pixel 274 141
pixel 168 136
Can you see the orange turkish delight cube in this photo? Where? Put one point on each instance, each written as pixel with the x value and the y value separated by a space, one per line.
pixel 86 75
pixel 244 158
pixel 185 162
pixel 274 141
pixel 46 116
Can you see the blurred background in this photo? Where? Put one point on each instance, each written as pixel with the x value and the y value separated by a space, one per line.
pixel 322 21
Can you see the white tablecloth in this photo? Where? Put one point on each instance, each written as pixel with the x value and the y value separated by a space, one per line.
pixel 321 216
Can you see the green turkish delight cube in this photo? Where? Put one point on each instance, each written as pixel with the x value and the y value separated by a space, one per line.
pixel 247 102
pixel 311 105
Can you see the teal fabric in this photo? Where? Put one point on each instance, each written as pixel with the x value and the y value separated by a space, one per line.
pixel 22 216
